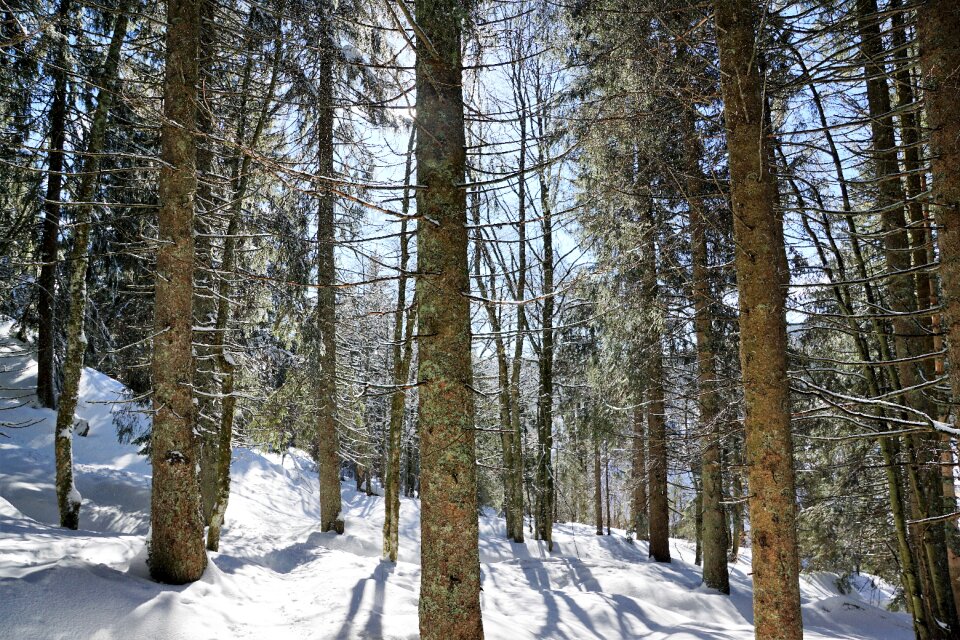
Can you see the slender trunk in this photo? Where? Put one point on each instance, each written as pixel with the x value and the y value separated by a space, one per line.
pixel 49 243
pixel 736 515
pixel 606 481
pixel 938 22
pixel 762 275
pixel 327 439
pixel 843 296
pixel 639 477
pixel 516 412
pixel 545 405
pixel 714 519
pixel 514 519
pixel 176 546
pixel 656 419
pixel 597 487
pixel 204 304
pixel 402 354
pixel 450 556
pixel 68 499
pixel 223 449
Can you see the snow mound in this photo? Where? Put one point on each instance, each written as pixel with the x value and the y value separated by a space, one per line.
pixel 278 577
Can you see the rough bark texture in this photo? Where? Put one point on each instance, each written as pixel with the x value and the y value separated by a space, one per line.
pixel 761 278
pixel 205 300
pixel 909 339
pixel 714 519
pixel 68 500
pixel 49 244
pixel 327 441
pixel 938 23
pixel 176 547
pixel 450 578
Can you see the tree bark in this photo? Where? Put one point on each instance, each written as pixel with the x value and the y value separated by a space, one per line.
pixel 714 519
pixel 176 555
pixel 49 243
pixel 450 560
pixel 546 505
pixel 656 419
pixel 938 22
pixel 909 339
pixel 402 354
pixel 597 486
pixel 639 476
pixel 68 499
pixel 327 440
pixel 218 480
pixel 762 276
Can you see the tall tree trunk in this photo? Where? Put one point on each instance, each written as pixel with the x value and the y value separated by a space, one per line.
pixel 762 276
pixel 68 499
pixel 545 402
pixel 49 244
pixel 656 418
pixel 638 477
pixel 516 411
pixel 909 339
pixel 597 486
pixel 402 354
pixel 327 439
pixel 714 532
pixel 938 22
pixel 177 555
pixel 205 302
pixel 222 451
pixel 606 481
pixel 450 556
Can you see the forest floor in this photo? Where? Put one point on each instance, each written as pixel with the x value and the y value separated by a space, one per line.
pixel 277 577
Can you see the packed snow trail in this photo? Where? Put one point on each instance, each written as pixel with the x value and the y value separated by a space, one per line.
pixel 277 577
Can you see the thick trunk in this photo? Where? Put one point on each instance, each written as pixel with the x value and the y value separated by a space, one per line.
pixel 176 546
pixel 49 243
pixel 762 276
pixel 450 558
pixel 938 22
pixel 909 339
pixel 68 499
pixel 327 447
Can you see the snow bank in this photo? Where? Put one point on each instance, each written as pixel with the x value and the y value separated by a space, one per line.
pixel 278 577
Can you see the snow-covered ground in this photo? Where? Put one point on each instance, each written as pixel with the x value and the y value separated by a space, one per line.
pixel 277 577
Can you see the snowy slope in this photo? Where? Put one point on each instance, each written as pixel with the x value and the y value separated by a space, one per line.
pixel 277 577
